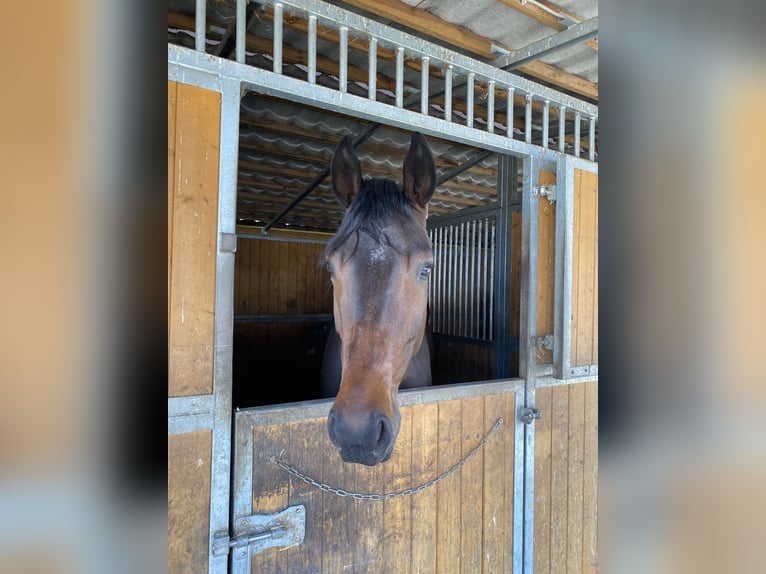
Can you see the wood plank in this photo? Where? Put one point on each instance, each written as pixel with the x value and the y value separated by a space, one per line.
pixel 339 522
pixel 307 450
pixel 195 221
pixel 172 89
pixel 471 518
pixel 367 520
pixel 561 79
pixel 585 211
pixel 189 459
pixel 575 478
pixel 448 491
pixel 292 278
pixel 494 502
pixel 594 350
pixel 559 476
pixel 590 480
pixel 422 21
pixel 424 468
pixel 542 526
pixel 547 18
pixel 575 326
pixel 546 251
pixel 270 488
pixel 395 544
pixel 243 274
pixel 509 435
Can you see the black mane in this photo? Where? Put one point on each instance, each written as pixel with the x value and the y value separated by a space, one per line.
pixel 379 203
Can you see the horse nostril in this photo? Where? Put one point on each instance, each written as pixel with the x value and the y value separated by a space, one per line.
pixel 331 418
pixel 386 434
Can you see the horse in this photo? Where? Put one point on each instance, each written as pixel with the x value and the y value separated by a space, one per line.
pixel 379 262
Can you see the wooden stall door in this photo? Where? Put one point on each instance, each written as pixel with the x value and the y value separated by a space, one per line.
pixel 193 143
pixel 462 524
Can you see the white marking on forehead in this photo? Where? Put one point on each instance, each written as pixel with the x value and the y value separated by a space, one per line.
pixel 377 254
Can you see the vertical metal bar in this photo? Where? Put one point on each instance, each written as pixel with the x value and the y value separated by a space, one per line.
pixel 450 280
pixel 509 113
pixel 562 310
pixel 546 109
pixel 241 31
pixel 372 65
pixel 528 119
pixel 528 330
pixel 472 266
pixel 529 488
pixel 506 176
pixel 529 215
pixel 481 256
pixel 469 99
pixel 425 62
pixel 460 279
pixel 518 490
pixel 577 135
pixel 224 318
pixel 492 281
pixel 491 107
pixel 399 76
pixel 312 72
pixel 277 51
pixel 200 25
pixel 448 93
pixel 485 289
pixel 562 127
pixel 592 140
pixel 343 63
pixel 442 278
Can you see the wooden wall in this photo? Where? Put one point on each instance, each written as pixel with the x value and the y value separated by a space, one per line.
pixel 463 524
pixel 193 132
pixel 585 270
pixel 193 135
pixel 279 362
pixel 280 277
pixel 566 474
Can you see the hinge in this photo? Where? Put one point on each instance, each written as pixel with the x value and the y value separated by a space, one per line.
pixel 228 242
pixel 259 532
pixel 528 415
pixel 548 191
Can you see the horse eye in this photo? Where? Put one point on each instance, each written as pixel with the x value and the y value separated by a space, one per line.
pixel 425 272
pixel 329 270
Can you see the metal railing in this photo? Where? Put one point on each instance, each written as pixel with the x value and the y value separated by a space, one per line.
pixel 427 74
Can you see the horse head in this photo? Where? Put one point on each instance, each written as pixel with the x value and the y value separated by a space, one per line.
pixel 379 261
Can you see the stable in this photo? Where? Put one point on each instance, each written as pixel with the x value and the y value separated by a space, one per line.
pixel 495 466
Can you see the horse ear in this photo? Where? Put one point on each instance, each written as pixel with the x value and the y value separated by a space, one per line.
pixel 419 171
pixel 345 172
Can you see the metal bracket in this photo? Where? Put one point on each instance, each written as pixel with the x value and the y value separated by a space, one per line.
pixel 259 532
pixel 228 242
pixel 544 342
pixel 548 191
pixel 528 415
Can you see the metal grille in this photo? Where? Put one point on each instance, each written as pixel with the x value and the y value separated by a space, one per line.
pixel 461 292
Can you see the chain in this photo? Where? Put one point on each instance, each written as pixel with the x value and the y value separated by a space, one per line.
pixel 360 496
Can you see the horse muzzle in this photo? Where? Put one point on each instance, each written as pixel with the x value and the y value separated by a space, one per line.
pixel 363 439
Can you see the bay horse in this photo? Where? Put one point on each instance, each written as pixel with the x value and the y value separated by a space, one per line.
pixel 379 262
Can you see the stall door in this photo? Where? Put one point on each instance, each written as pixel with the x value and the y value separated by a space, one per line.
pixel 463 523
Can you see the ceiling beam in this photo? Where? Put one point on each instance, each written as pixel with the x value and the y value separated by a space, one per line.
pixel 571 36
pixel 545 17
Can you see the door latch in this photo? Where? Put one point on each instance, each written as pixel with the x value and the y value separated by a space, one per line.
pixel 259 532
pixel 528 415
